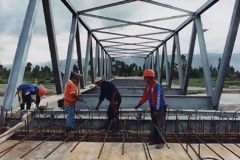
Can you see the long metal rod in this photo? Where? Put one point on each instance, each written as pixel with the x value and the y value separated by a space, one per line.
pixel 26 153
pixel 56 147
pixel 79 142
pixel 105 138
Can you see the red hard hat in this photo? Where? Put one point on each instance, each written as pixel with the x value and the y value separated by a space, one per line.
pixel 42 90
pixel 148 73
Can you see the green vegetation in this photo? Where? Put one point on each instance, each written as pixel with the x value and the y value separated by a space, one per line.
pixel 43 75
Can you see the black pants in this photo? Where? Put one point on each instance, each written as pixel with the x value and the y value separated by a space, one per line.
pixel 24 99
pixel 159 119
pixel 113 114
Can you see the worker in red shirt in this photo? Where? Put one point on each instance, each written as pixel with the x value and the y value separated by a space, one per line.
pixel 154 94
pixel 70 97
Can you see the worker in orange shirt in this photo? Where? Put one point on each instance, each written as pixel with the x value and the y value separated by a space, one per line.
pixel 154 94
pixel 71 94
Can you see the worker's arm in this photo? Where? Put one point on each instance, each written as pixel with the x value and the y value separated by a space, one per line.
pixel 143 99
pixel 74 95
pixel 99 103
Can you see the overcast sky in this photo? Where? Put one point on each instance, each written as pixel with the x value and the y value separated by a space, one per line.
pixel 12 13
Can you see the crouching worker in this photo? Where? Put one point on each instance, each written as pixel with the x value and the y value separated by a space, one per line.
pixel 154 94
pixel 110 92
pixel 70 97
pixel 28 93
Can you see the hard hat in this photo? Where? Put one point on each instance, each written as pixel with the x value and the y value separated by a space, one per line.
pixel 76 75
pixel 98 79
pixel 41 90
pixel 148 73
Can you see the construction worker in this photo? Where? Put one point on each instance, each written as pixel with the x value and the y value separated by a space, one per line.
pixel 110 92
pixel 71 94
pixel 28 93
pixel 154 94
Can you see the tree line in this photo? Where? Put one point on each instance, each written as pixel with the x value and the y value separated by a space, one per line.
pixel 44 74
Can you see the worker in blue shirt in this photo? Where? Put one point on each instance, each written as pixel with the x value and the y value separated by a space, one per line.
pixel 28 93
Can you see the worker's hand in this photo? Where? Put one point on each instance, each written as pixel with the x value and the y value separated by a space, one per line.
pixel 136 107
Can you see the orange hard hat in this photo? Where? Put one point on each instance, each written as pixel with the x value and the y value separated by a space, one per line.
pixel 148 73
pixel 42 90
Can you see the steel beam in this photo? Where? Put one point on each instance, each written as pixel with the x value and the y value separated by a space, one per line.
pixel 204 58
pixel 167 6
pixel 190 56
pixel 146 21
pixel 201 10
pixel 158 65
pixel 101 62
pixel 47 8
pixel 166 63
pixel 91 64
pixel 79 54
pixel 106 6
pixel 227 53
pixel 88 50
pixel 179 58
pixel 96 64
pixel 17 71
pixel 70 49
pixel 172 64
pixel 162 65
pixel 123 21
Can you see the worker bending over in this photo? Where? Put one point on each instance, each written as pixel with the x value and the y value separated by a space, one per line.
pixel 110 92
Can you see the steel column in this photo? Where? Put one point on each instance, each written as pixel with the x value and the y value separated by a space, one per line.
pixel 227 53
pixel 152 60
pixel 70 49
pixel 88 50
pixel 180 67
pixel 79 54
pixel 158 64
pixel 162 64
pixel 47 8
pixel 101 62
pixel 17 71
pixel 204 58
pixel 96 67
pixel 166 63
pixel 91 63
pixel 189 60
pixel 172 64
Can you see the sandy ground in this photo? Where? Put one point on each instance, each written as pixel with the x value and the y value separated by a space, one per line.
pixel 112 151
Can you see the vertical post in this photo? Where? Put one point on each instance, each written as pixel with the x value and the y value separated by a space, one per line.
pixel 158 64
pixel 190 56
pixel 101 63
pixel 204 58
pixel 79 55
pixel 47 8
pixel 166 63
pixel 152 61
pixel 96 67
pixel 104 64
pixel 70 49
pixel 21 54
pixel 162 63
pixel 172 64
pixel 91 64
pixel 88 50
pixel 227 53
pixel 180 67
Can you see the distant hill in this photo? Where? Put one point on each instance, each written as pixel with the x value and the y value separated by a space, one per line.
pixel 212 57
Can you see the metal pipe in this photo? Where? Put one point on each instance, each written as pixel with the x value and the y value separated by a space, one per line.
pixel 79 142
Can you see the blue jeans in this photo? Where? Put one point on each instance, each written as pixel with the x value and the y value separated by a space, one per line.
pixel 70 116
